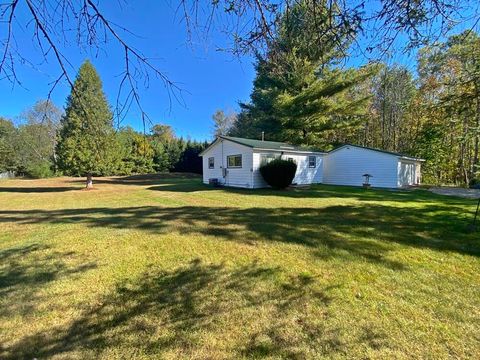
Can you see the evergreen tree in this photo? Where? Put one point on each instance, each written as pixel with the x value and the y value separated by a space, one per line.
pixel 87 140
pixel 165 147
pixel 324 106
pixel 189 160
pixel 299 92
pixel 137 152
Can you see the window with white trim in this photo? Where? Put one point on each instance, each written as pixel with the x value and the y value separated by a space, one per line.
pixel 211 162
pixel 266 158
pixel 312 161
pixel 234 161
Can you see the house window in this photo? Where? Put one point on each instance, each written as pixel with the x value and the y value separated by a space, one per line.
pixel 266 158
pixel 234 161
pixel 290 159
pixel 312 161
pixel 211 163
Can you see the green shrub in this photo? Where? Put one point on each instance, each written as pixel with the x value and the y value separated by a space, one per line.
pixel 39 170
pixel 278 173
pixel 474 183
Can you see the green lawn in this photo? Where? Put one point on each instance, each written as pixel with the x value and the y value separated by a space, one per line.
pixel 165 267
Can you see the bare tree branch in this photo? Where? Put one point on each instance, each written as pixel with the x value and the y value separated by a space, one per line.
pixel 250 24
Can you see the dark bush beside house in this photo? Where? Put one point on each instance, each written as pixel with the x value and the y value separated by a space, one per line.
pixel 278 173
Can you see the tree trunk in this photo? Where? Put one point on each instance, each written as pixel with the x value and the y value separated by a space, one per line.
pixel 476 137
pixel 89 184
pixel 55 167
pixel 463 150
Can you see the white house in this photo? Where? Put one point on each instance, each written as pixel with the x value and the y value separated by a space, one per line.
pixel 233 161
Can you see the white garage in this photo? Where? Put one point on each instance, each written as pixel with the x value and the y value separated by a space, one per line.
pixel 347 164
pixel 233 161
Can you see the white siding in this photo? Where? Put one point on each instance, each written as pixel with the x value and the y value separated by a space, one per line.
pixel 304 175
pixel 258 181
pixel 407 173
pixel 346 166
pixel 238 177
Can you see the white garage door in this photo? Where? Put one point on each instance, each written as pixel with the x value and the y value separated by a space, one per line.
pixel 406 173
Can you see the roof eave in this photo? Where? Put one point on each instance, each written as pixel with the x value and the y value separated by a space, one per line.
pixel 290 150
pixel 208 147
pixel 411 158
pixel 220 138
pixel 400 156
pixel 234 141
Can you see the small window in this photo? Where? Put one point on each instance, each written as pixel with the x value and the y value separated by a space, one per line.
pixel 290 159
pixel 234 161
pixel 312 161
pixel 266 158
pixel 211 163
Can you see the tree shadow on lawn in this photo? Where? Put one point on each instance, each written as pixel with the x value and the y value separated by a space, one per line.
pixel 313 191
pixel 251 310
pixel 37 189
pixel 26 270
pixel 187 182
pixel 144 179
pixel 362 233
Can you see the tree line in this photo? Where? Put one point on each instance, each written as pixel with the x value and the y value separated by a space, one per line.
pixel 304 94
pixel 82 141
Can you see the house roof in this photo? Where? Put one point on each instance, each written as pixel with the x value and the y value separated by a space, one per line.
pixel 402 156
pixel 268 145
pixel 282 146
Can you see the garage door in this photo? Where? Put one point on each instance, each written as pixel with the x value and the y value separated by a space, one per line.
pixel 406 173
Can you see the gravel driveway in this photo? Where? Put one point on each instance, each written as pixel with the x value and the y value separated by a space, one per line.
pixel 460 192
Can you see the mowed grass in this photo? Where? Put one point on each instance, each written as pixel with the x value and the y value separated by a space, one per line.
pixel 165 267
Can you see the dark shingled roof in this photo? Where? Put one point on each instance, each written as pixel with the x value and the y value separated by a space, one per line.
pixel 271 145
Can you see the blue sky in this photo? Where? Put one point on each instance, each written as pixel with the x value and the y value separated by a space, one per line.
pixel 210 79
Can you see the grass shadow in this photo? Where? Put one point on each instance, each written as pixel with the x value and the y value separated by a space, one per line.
pixel 142 180
pixel 356 232
pixel 37 189
pixel 315 191
pixel 176 312
pixel 26 270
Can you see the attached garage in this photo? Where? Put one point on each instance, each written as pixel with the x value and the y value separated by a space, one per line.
pixel 347 164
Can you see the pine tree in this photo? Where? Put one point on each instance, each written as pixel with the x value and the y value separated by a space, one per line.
pixel 87 141
pixel 137 152
pixel 326 104
pixel 299 93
